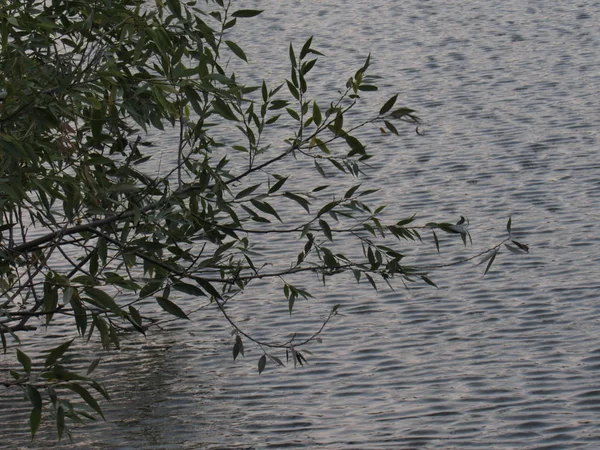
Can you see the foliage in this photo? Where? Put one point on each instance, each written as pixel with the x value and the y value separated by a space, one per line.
pixel 95 236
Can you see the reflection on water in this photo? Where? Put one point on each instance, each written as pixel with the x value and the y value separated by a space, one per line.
pixel 509 91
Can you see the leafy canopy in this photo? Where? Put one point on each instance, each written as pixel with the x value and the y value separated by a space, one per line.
pixel 101 224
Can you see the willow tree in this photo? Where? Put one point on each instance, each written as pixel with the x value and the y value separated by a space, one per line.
pixel 94 236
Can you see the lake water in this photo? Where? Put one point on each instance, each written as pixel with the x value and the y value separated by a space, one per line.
pixel 509 91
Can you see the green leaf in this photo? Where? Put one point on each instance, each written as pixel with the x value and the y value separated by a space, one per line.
pixel 223 109
pixel 243 13
pixel 293 114
pixel 292 56
pixel 368 192
pixel 391 127
pixel 278 185
pixel 357 147
pixel 262 362
pixel 306 48
pixel 50 299
pixel 56 353
pixel 237 50
pixel 338 124
pixel 174 6
pixel 370 278
pixel 60 421
pixel 351 191
pixel 428 281
pixel 35 419
pixel 102 327
pixel 100 389
pixel 24 360
pixel 3 338
pixel 264 92
pixel 265 207
pixel 406 221
pixel 93 365
pixel 273 119
pixel 490 257
pixel 230 24
pixel 124 188
pixel 238 347
pixel 388 105
pixel 523 247
pixel 150 288
pixel 328 258
pixel 86 396
pixel 276 360
pixel 328 207
pixel 293 90
pixel 34 397
pixel 317 116
pixel 437 242
pixel 367 87
pixel 326 230
pixel 300 200
pixel 318 142
pixel 320 169
pixel 171 308
pixel 78 311
pixel 103 300
pixel 405 114
pixel 207 287
pixel 190 289
pixel 278 104
pixel 307 66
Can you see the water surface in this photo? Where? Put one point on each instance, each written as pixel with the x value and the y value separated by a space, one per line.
pixel 509 93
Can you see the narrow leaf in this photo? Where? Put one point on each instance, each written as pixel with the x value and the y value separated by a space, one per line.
pixel 317 117
pixel 60 421
pixel 326 229
pixel 24 360
pixel 57 353
pixel 93 366
pixel 437 242
pixel 237 50
pixel 87 397
pixel 391 127
pixel 34 397
pixel 276 360
pixel 300 200
pixel 388 105
pixel 244 13
pixel 328 207
pixel 523 247
pixel 103 300
pixel 190 289
pixel 265 207
pixel 305 48
pixel 277 185
pixel 238 347
pixel 351 191
pixel 171 308
pixel 428 281
pixel 247 191
pixel 34 420
pixel 490 258
pixel 262 362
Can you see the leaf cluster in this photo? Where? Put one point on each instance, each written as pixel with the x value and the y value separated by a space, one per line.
pixel 102 226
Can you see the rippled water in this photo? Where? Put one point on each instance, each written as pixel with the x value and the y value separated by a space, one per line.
pixel 510 94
